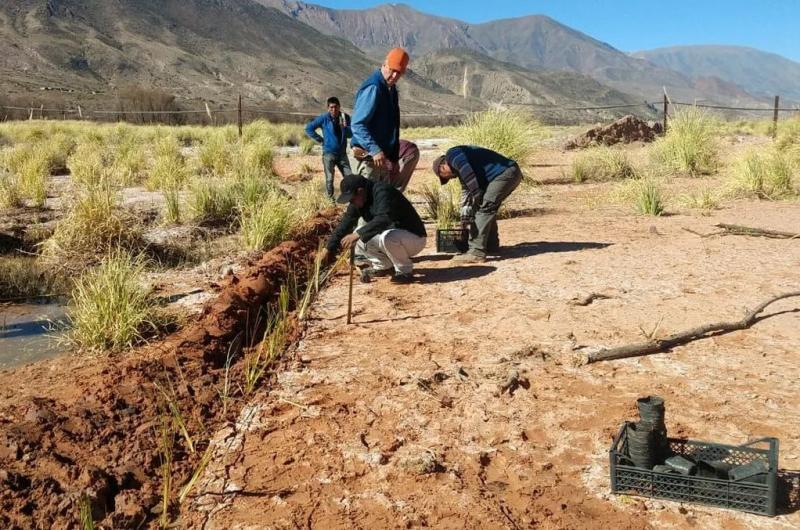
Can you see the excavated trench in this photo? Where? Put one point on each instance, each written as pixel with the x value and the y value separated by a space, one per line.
pixel 94 436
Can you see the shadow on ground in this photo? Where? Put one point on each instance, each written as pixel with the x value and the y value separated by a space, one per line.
pixel 524 250
pixel 452 274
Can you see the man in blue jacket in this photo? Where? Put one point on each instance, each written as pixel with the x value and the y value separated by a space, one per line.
pixel 376 120
pixel 487 179
pixel 335 127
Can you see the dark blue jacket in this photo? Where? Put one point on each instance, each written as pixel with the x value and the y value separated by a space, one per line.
pixel 376 117
pixel 330 142
pixel 476 166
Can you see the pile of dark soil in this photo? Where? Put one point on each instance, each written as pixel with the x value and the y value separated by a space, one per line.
pixel 625 130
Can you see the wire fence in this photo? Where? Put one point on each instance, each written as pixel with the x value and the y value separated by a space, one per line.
pixel 656 108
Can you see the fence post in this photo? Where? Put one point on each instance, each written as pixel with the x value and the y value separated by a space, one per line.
pixel 666 110
pixel 775 118
pixel 80 113
pixel 240 116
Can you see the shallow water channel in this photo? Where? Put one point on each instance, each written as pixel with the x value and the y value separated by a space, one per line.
pixel 27 333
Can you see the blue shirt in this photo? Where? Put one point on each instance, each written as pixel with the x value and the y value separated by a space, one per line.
pixel 331 142
pixel 376 117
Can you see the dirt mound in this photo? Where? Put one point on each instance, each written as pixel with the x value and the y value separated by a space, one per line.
pixel 99 438
pixel 625 130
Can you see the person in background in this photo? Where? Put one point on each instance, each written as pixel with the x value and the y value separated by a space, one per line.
pixel 487 178
pixel 376 120
pixel 335 127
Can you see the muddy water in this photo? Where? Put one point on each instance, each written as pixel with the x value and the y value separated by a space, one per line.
pixel 27 333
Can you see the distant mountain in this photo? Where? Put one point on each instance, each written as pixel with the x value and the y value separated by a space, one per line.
pixel 196 49
pixel 760 73
pixel 479 77
pixel 534 42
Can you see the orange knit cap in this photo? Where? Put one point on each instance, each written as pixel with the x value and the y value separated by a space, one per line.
pixel 397 59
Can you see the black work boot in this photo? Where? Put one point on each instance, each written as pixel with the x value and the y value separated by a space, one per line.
pixel 402 278
pixel 369 273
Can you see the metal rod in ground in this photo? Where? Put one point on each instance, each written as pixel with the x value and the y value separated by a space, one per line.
pixel 350 292
pixel 666 112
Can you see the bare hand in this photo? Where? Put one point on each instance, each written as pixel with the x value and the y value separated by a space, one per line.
pixel 349 240
pixel 379 159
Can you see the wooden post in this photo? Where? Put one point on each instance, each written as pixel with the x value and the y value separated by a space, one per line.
pixel 80 113
pixel 239 120
pixel 666 111
pixel 775 118
pixel 41 111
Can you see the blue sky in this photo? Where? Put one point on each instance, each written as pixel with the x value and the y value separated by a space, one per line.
pixel 629 25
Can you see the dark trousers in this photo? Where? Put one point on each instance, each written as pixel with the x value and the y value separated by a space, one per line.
pixel 331 161
pixel 483 234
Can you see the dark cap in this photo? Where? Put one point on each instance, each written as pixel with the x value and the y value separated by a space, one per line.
pixel 437 164
pixel 348 187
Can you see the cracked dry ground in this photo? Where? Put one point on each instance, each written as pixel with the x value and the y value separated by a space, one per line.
pixel 396 421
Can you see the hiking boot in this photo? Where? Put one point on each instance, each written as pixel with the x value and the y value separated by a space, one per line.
pixel 469 257
pixel 402 278
pixel 368 274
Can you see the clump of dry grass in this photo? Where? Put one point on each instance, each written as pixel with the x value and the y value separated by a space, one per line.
pixel 602 163
pixel 169 168
pixel 706 199
pixel 510 133
pixel 266 223
pixel 764 175
pixel 111 310
pixel 443 204
pixel 10 192
pixel 690 145
pixel 94 226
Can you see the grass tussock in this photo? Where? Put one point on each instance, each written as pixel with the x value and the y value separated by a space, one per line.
pixel 169 167
pixel 600 164
pixel 690 145
pixel 510 133
pixel 111 310
pixel 706 199
pixel 23 277
pixel 764 175
pixel 214 201
pixel 88 165
pixel 310 200
pixel 94 225
pixel 645 195
pixel 268 222
pixel 10 192
pixel 442 204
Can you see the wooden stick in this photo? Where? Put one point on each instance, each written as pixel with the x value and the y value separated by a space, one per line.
pixel 350 292
pixel 661 345
pixel 739 230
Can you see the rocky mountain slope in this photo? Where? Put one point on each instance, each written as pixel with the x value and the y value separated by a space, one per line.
pixel 534 42
pixel 760 73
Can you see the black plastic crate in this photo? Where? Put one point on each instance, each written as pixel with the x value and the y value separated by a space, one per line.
pixel 452 240
pixel 757 496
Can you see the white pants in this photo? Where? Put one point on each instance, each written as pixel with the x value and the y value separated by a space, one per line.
pixel 392 248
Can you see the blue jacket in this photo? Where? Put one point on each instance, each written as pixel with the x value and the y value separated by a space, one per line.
pixel 330 142
pixel 476 166
pixel 376 117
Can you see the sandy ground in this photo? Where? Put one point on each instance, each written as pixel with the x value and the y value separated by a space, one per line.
pixel 396 420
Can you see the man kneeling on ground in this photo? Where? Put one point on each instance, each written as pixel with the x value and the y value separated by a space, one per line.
pixel 393 232
pixel 487 179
